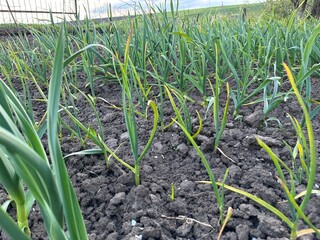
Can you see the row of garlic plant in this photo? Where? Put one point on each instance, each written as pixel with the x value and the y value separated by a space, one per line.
pixel 177 68
pixel 24 164
pixel 308 161
pixel 168 48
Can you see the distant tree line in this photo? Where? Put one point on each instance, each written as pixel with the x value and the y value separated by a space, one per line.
pixel 305 7
pixel 315 6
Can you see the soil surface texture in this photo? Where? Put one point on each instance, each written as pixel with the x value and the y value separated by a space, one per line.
pixel 114 208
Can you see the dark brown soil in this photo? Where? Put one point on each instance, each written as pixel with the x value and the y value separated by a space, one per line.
pixel 114 208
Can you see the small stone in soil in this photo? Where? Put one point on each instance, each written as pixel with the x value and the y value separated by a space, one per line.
pixel 112 236
pixel 174 139
pixel 202 138
pixel 150 232
pixel 184 229
pixel 254 119
pixel 235 173
pixel 154 199
pixel 118 198
pixel 271 142
pixel 232 134
pixel 147 169
pixel 109 117
pixel 249 209
pixel 243 232
pixel 157 147
pixel 207 145
pixel 155 188
pixel 112 143
pixel 183 148
pixel 187 186
pixel 141 191
pixel 179 207
pixel 91 185
pixel 231 236
pixel 271 226
pixel 124 136
pixel 306 237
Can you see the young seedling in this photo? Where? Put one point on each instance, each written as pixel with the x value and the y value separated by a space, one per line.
pixel 214 102
pixel 219 195
pixel 184 119
pixel 129 110
pixel 312 165
pixel 172 193
pixel 299 209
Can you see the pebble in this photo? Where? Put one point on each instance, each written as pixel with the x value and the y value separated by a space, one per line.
pixel 147 169
pixel 157 146
pixel 155 188
pixel 150 232
pixel 306 237
pixel 154 199
pixel 118 198
pixel 112 236
pixel 249 209
pixel 243 232
pixel 271 142
pixel 184 229
pixel 202 138
pixel 187 186
pixel 141 191
pixel 207 145
pixel 229 125
pixel 271 226
pixel 92 185
pixel 112 143
pixel 124 136
pixel 109 117
pixel 254 119
pixel 232 134
pixel 183 148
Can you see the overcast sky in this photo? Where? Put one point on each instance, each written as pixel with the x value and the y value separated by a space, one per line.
pixel 182 3
pixel 98 8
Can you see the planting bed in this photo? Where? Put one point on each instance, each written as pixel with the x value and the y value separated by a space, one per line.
pixel 114 208
pixel 181 65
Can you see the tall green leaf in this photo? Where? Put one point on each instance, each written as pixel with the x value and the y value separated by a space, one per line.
pixel 69 200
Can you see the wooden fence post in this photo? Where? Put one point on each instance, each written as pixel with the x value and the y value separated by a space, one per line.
pixel 244 14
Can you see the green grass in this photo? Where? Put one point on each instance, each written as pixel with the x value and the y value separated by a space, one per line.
pixel 224 10
pixel 256 8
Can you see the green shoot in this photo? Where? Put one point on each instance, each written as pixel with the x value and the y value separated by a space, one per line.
pixel 311 170
pixel 206 164
pixel 172 194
